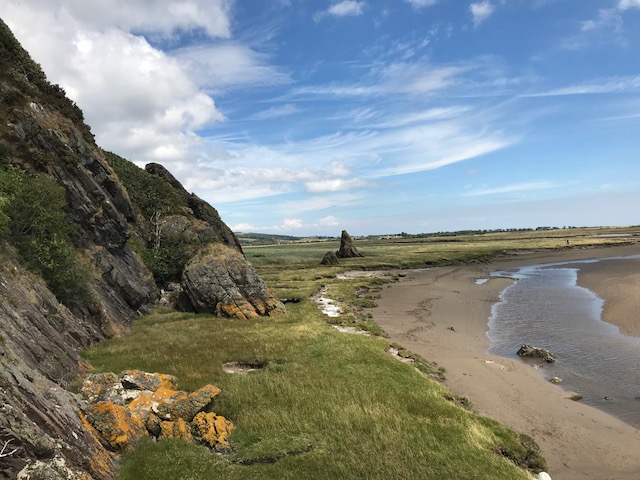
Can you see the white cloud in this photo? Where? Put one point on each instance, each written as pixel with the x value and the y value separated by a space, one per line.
pixel 329 221
pixel 318 203
pixel 288 225
pixel 626 4
pixel 345 8
pixel 481 11
pixel 417 78
pixel 161 17
pixel 140 101
pixel 276 112
pixel 334 185
pixel 608 18
pixel 513 188
pixel 228 65
pixel 607 85
pixel 422 3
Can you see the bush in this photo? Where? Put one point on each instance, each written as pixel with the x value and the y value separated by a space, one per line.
pixel 151 194
pixel 32 217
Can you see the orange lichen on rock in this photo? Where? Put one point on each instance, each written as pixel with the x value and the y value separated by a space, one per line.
pixel 116 424
pixel 179 429
pixel 162 412
pixel 188 406
pixel 240 309
pixel 139 380
pixel 212 430
pixel 98 383
pixel 102 462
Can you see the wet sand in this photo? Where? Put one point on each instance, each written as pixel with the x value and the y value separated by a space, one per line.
pixel 618 283
pixel 579 442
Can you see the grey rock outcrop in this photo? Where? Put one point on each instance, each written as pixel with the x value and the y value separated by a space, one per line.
pixel 219 280
pixel 201 209
pixel 38 359
pixel 330 259
pixel 43 132
pixel 347 248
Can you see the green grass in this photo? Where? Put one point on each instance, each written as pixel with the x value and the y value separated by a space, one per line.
pixel 327 405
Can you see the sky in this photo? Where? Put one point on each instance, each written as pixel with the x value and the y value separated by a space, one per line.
pixel 306 117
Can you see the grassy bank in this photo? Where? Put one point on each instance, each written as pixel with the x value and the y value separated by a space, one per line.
pixel 326 405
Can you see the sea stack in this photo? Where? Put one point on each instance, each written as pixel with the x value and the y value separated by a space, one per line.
pixel 347 249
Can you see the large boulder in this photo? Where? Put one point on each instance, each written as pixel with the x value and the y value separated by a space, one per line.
pixel 330 259
pixel 347 248
pixel 220 280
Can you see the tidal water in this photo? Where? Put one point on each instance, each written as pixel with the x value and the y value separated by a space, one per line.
pixel 546 308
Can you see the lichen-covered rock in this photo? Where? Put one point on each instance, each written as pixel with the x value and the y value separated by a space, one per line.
pixel 187 407
pixel 116 425
pixel 347 248
pixel 212 430
pixel 180 429
pixel 96 384
pixel 330 259
pixel 154 425
pixel 220 280
pixel 139 380
pixel 159 402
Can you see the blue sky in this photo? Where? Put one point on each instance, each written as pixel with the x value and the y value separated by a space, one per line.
pixel 305 117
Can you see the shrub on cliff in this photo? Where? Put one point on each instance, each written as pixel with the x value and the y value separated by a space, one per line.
pixel 32 217
pixel 151 194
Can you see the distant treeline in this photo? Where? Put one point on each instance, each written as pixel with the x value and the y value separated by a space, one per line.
pixel 272 239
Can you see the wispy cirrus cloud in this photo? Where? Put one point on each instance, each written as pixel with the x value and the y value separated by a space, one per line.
pixel 513 188
pixel 275 112
pixel 228 65
pixel 601 86
pixel 418 4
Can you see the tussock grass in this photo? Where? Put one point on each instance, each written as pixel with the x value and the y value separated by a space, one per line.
pixel 327 405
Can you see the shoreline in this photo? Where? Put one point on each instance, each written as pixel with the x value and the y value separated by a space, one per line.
pixel 579 442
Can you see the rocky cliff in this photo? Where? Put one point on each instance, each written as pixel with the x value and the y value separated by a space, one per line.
pixel 71 277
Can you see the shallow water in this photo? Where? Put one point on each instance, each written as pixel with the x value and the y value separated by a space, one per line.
pixel 546 308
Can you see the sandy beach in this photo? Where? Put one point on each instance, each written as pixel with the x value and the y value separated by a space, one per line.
pixel 579 442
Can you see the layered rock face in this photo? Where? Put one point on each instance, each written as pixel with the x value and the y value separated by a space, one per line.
pixel 41 425
pixel 219 279
pixel 39 338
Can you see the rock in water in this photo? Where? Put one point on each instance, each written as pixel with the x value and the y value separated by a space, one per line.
pixel 219 279
pixel 536 352
pixel 330 259
pixel 347 249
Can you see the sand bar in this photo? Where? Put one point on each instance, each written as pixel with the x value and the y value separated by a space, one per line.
pixel 618 283
pixel 580 442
